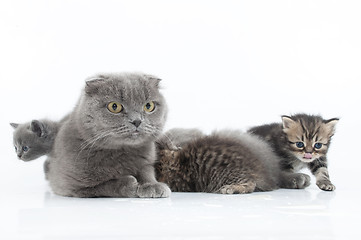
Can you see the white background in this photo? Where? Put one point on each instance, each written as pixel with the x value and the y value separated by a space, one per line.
pixel 223 64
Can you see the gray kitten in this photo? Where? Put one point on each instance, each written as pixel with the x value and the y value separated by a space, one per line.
pixel 34 139
pixel 301 141
pixel 224 162
pixel 106 147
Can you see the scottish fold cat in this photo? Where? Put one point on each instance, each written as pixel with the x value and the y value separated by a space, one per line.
pixel 105 148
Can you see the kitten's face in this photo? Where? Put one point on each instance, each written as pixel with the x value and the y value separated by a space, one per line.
pixel 309 136
pixel 122 109
pixel 28 145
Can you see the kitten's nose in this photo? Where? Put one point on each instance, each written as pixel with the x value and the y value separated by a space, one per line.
pixel 137 122
pixel 20 155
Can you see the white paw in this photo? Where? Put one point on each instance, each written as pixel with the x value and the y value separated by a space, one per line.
pixel 326 185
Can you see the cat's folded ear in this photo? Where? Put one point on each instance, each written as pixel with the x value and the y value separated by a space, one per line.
pixel 38 128
pixel 154 81
pixel 14 125
pixel 92 85
pixel 331 125
pixel 287 122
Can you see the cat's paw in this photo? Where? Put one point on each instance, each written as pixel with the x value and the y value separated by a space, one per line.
pixel 129 186
pixel 301 180
pixel 153 190
pixel 296 181
pixel 238 188
pixel 325 185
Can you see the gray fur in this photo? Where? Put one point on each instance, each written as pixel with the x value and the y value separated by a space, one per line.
pixel 176 138
pixel 224 162
pixel 34 139
pixel 98 153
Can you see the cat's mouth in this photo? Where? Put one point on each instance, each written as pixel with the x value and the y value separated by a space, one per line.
pixel 307 157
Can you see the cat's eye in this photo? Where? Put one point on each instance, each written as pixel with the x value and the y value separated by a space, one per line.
pixel 149 107
pixel 115 107
pixel 300 144
pixel 16 149
pixel 318 145
pixel 25 148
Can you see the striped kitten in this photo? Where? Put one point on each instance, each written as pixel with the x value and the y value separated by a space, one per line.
pixel 301 141
pixel 223 162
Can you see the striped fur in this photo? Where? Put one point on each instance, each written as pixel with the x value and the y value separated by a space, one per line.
pixel 224 162
pixel 309 130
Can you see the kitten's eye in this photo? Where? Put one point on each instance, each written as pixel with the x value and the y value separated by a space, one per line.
pixel 318 145
pixel 16 149
pixel 115 107
pixel 149 107
pixel 300 144
pixel 25 148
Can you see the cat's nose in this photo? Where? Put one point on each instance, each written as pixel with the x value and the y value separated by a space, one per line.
pixel 20 155
pixel 137 122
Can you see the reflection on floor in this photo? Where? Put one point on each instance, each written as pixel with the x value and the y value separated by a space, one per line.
pixel 33 212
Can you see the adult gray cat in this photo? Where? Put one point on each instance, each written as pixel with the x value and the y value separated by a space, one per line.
pixel 224 162
pixel 106 147
pixel 34 139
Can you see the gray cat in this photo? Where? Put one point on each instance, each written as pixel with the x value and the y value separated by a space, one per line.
pixel 224 162
pixel 301 141
pixel 106 147
pixel 34 139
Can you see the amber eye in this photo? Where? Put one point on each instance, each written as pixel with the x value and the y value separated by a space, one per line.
pixel 115 107
pixel 149 107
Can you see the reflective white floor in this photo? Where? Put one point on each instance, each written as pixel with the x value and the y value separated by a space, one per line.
pixel 30 211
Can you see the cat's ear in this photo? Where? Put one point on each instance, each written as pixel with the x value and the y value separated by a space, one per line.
pixel 92 85
pixel 331 125
pixel 154 81
pixel 14 125
pixel 287 122
pixel 38 128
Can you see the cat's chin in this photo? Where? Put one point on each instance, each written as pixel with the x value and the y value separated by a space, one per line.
pixel 132 139
pixel 306 160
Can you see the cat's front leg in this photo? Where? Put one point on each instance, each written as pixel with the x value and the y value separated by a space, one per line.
pixel 149 187
pixel 323 180
pixel 319 169
pixel 126 186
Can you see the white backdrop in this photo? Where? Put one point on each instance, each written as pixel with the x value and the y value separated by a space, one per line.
pixel 224 64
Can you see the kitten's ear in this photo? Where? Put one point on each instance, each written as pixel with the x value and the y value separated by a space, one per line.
pixel 92 85
pixel 38 128
pixel 14 125
pixel 153 80
pixel 287 122
pixel 331 125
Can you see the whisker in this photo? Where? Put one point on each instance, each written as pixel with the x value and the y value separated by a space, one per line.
pixel 99 136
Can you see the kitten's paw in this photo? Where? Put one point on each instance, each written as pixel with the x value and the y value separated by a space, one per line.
pixel 301 180
pixel 295 180
pixel 325 185
pixel 154 190
pixel 238 188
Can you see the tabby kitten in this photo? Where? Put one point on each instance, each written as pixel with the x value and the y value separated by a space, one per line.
pixel 106 147
pixel 301 141
pixel 34 139
pixel 224 162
